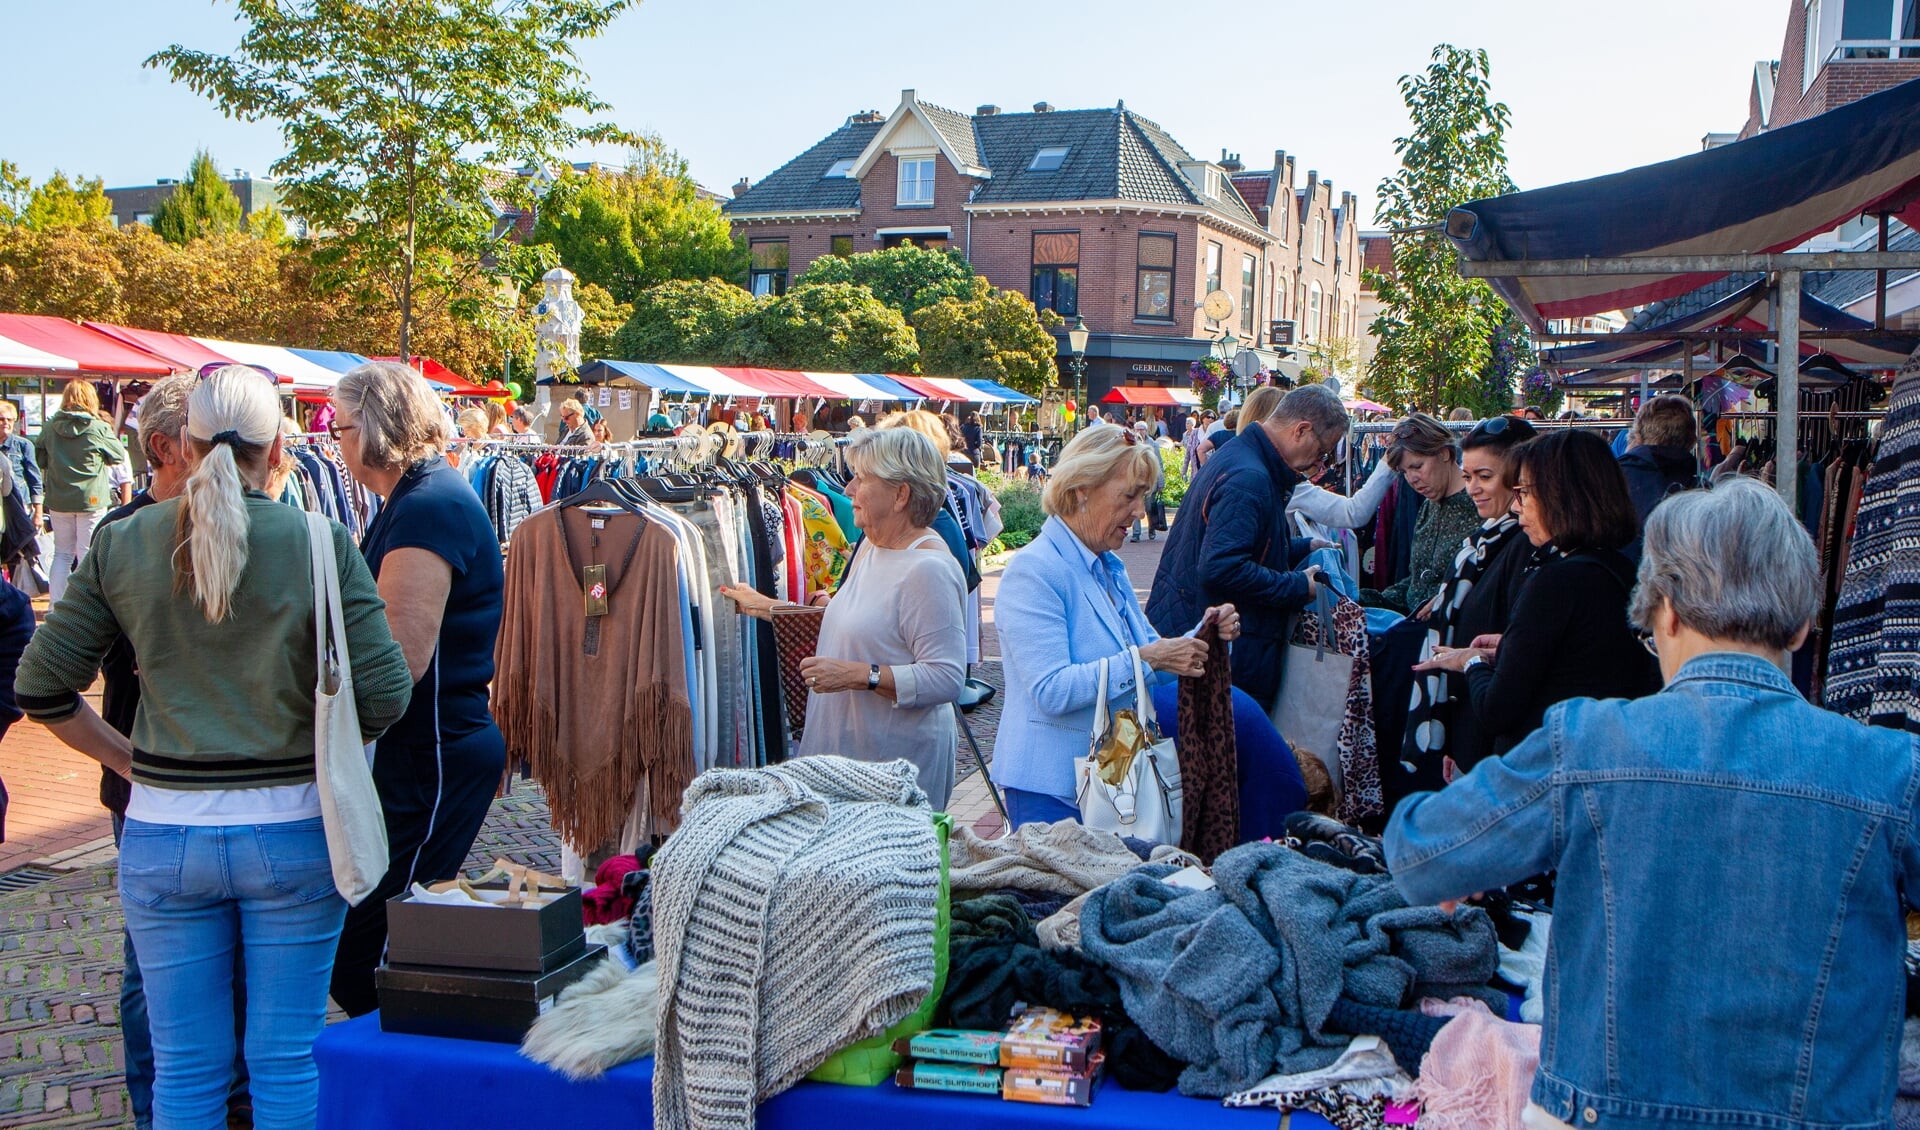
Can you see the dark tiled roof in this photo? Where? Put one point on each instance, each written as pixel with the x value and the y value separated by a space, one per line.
pixel 801 186
pixel 1253 187
pixel 1842 288
pixel 1111 155
pixel 1692 302
pixel 1376 251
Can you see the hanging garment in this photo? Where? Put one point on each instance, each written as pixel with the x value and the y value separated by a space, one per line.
pixel 597 705
pixel 1456 619
pixel 1360 796
pixel 1209 759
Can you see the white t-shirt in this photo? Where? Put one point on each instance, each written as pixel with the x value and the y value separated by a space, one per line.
pixel 216 808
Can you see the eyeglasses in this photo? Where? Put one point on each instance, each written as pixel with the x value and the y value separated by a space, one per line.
pixel 212 367
pixel 1522 493
pixel 335 429
pixel 1647 641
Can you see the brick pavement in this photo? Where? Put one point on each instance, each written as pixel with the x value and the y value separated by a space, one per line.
pixel 60 939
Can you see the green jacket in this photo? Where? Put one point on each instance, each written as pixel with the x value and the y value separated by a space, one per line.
pixel 75 451
pixel 227 705
pixel 1437 534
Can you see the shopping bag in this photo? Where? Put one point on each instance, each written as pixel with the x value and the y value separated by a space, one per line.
pixel 796 637
pixel 349 803
pixel 1129 782
pixel 1312 703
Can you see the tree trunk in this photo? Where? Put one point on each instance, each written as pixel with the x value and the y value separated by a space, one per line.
pixel 406 268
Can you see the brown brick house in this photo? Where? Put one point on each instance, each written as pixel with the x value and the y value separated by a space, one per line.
pixel 1096 213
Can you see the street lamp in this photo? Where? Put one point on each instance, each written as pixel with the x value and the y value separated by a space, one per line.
pixel 1077 345
pixel 1227 347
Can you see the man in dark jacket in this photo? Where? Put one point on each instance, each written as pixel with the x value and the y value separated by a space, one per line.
pixel 1660 459
pixel 1229 541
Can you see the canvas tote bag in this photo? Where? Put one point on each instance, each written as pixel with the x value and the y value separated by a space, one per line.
pixel 349 803
pixel 1312 703
pixel 1146 802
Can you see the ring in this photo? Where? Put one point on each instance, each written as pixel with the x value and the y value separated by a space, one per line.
pixel 810 681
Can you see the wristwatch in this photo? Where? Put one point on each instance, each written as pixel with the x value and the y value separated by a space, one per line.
pixel 873 677
pixel 1476 661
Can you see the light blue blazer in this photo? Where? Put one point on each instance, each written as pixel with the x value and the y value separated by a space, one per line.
pixel 1055 626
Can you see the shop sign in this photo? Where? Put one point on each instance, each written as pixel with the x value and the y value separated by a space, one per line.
pixel 1153 369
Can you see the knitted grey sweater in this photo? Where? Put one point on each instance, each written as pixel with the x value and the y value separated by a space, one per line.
pixel 793 914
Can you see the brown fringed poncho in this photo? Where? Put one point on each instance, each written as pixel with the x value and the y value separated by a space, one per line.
pixel 595 718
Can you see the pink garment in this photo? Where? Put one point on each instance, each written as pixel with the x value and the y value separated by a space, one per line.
pixel 1479 1070
pixel 607 902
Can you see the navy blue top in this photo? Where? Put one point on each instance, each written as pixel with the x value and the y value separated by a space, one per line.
pixel 434 509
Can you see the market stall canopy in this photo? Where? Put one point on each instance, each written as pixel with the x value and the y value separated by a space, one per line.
pixel 1744 309
pixel 278 359
pixel 186 354
pixel 339 361
pixel 1365 406
pixel 448 381
pixel 636 374
pixel 36 343
pixel 1001 393
pixel 862 386
pixel 1152 395
pixel 1766 194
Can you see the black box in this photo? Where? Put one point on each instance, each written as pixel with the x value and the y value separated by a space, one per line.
pixel 524 939
pixel 469 1004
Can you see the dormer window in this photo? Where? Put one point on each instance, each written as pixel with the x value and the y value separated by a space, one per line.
pixel 1213 184
pixel 1049 159
pixel 841 168
pixel 916 182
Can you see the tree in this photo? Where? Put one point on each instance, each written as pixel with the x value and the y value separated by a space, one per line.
pixel 203 204
pixel 1334 356
pixel 15 188
pixel 1435 328
pixel 833 328
pixel 61 203
pixel 991 334
pixel 601 319
pixel 401 119
pixel 687 321
pixel 907 278
pixel 1510 358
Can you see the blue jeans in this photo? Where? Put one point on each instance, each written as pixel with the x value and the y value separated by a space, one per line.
pixel 138 1041
pixel 1024 807
pixel 193 897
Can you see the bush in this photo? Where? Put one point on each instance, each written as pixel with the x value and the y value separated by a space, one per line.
pixel 1173 459
pixel 1020 513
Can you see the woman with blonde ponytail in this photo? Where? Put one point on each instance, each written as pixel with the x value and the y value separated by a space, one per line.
pixel 223 836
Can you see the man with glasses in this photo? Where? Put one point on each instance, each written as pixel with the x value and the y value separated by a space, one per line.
pixel 1230 545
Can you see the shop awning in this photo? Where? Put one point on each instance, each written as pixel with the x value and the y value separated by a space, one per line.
pixel 36 343
pixel 1766 194
pixel 1155 395
pixel 1001 393
pixel 1745 309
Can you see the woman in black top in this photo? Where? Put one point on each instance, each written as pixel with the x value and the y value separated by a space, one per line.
pixel 1569 636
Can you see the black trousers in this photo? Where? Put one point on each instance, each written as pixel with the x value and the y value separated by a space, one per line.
pixel 435 798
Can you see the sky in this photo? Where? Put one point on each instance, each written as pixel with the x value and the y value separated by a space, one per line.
pixel 739 87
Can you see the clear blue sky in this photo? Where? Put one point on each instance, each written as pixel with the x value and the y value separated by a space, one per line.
pixel 740 86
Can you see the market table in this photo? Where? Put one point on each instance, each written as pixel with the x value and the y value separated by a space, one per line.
pixel 372 1080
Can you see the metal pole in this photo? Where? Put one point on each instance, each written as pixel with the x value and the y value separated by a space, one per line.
pixel 1880 285
pixel 1787 393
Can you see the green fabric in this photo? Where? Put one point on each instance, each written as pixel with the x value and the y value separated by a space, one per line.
pixel 1437 535
pixel 842 508
pixel 239 689
pixel 75 451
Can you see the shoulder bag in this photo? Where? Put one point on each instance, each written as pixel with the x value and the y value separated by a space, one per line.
pixel 1129 782
pixel 1312 703
pixel 349 803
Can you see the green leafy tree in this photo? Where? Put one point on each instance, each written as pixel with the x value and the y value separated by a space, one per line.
pixel 833 328
pixel 687 321
pixel 400 118
pixel 601 319
pixel 201 205
pixel 907 278
pixel 59 202
pixel 1436 327
pixel 15 188
pixel 1510 357
pixel 991 334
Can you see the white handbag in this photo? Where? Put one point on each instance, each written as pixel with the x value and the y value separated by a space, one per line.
pixel 349 802
pixel 1146 804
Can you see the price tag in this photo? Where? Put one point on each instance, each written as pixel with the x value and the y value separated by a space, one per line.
pixel 606 396
pixel 593 581
pixel 626 400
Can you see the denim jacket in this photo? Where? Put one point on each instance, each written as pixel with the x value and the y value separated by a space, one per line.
pixel 1728 932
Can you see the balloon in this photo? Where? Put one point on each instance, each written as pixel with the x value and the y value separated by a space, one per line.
pixel 1069 415
pixel 513 389
pixel 1072 407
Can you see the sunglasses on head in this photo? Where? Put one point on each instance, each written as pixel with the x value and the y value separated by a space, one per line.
pixel 212 367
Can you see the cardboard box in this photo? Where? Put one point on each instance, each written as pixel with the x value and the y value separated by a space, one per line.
pixel 472 1004
pixel 1045 1037
pixel 522 939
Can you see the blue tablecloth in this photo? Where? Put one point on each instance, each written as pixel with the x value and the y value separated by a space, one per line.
pixel 371 1080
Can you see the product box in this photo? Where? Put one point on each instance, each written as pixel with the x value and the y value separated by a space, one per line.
pixel 472 1004
pixel 966 1078
pixel 1052 1086
pixel 951 1045
pixel 1045 1037
pixel 526 939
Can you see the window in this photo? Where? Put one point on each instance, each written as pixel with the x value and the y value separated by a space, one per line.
pixel 1049 159
pixel 1214 254
pixel 1320 240
pixel 932 241
pixel 1056 271
pixel 1811 55
pixel 841 168
pixel 842 246
pixel 769 271
pixel 1249 282
pixel 1153 295
pixel 1313 313
pixel 143 218
pixel 916 182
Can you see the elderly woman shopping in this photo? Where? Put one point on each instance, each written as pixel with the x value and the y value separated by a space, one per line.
pixel 893 643
pixel 1065 603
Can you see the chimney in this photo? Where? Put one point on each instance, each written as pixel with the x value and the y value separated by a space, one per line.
pixel 741 186
pixel 866 116
pixel 907 95
pixel 1043 107
pixel 987 110
pixel 1231 162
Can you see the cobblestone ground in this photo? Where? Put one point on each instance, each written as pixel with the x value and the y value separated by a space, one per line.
pixel 60 937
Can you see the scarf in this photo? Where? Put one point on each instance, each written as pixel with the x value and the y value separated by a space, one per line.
pixel 1430 715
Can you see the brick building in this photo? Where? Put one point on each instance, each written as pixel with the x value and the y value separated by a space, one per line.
pixel 1835 52
pixel 136 204
pixel 1096 213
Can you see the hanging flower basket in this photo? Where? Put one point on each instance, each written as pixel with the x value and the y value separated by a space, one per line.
pixel 1209 375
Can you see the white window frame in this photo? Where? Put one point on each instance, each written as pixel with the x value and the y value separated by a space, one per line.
pixel 1320 239
pixel 1314 295
pixel 923 184
pixel 842 168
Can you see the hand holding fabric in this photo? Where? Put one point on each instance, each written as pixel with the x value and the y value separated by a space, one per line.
pixel 1182 655
pixel 1451 659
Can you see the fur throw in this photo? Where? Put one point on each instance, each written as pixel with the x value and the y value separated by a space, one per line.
pixel 599 1022
pixel 1066 859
